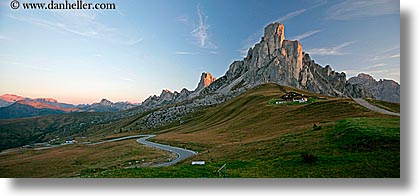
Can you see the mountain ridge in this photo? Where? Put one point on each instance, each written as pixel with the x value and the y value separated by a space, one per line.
pixel 382 89
pixel 13 106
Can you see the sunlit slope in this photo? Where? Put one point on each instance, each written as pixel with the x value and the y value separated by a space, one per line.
pixel 250 118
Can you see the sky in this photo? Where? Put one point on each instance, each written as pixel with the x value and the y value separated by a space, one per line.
pixel 143 47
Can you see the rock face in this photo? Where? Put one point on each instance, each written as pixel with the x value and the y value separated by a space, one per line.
pixel 280 61
pixel 205 80
pixel 273 60
pixel 167 97
pixel 386 90
pixel 106 106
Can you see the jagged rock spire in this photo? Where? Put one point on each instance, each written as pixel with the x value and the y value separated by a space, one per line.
pixel 205 80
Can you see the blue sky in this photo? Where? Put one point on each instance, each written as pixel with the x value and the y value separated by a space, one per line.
pixel 146 46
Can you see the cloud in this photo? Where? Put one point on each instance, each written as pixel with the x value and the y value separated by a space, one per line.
pixel 201 32
pixel 351 9
pixel 195 53
pixel 301 11
pixel 183 19
pixel 38 68
pixel 185 53
pixel 81 23
pixel 291 15
pixel 306 35
pixel 374 66
pixel 330 51
pixel 389 53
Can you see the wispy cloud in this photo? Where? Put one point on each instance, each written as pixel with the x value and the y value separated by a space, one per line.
pixel 195 53
pixel 306 35
pixel 394 56
pixel 185 53
pixel 374 66
pixel 183 19
pixel 296 13
pixel 351 9
pixel 39 68
pixel 337 50
pixel 386 54
pixel 201 32
pixel 81 23
pixel 291 15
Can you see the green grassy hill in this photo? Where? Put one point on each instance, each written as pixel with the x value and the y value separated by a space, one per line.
pixel 328 138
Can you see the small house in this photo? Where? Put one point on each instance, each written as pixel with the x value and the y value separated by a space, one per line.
pixel 70 140
pixel 293 97
pixel 198 163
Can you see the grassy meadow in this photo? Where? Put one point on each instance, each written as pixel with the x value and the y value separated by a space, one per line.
pixel 330 137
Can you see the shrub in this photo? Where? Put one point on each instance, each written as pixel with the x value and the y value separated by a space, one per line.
pixel 316 127
pixel 308 158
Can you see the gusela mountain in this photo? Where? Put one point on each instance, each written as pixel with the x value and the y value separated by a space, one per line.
pixel 277 60
pixel 274 60
pixel 14 106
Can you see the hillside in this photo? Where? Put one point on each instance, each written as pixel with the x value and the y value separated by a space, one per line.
pixel 256 139
pixel 22 110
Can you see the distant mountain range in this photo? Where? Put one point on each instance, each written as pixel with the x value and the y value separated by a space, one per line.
pixel 14 106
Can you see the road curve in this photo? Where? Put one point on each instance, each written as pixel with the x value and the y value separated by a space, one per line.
pixel 367 105
pixel 180 152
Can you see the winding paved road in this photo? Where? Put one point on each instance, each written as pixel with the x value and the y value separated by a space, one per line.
pixel 181 153
pixel 367 105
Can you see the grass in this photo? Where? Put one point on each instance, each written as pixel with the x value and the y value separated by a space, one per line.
pixel 330 137
pixel 257 140
pixel 69 161
pixel 282 156
pixel 393 107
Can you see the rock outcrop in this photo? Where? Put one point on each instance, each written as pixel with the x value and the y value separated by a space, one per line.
pixel 167 97
pixel 277 60
pixel 386 90
pixel 273 60
pixel 205 80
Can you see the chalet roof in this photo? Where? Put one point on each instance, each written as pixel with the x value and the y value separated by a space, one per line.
pixel 293 95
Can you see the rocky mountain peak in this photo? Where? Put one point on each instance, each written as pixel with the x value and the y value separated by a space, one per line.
pixel 387 90
pixel 11 98
pixel 274 34
pixel 166 95
pixel 46 100
pixel 365 76
pixel 205 80
pixel 106 102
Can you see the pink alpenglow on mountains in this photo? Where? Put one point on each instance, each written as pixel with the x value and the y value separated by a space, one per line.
pixel 205 81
